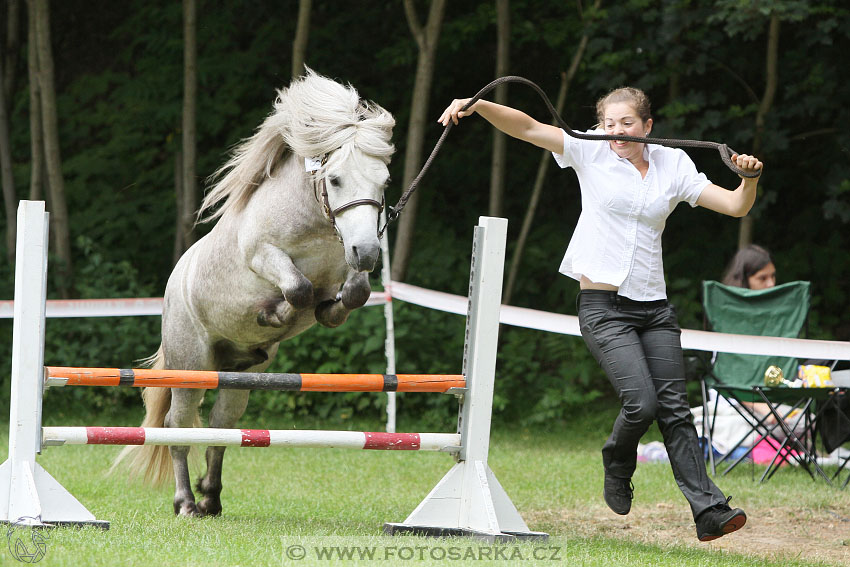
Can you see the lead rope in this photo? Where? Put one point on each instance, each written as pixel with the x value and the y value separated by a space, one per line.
pixel 725 151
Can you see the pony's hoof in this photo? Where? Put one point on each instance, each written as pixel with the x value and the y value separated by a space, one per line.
pixel 331 313
pixel 210 506
pixel 356 291
pixel 301 295
pixel 186 509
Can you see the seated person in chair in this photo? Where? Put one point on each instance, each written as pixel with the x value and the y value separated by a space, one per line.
pixel 752 268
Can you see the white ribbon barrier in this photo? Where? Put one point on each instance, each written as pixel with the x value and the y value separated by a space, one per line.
pixel 93 307
pixel 124 307
pixel 509 315
pixel 696 340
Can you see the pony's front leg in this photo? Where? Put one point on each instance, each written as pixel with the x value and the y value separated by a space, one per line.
pixel 355 293
pixel 274 265
pixel 184 406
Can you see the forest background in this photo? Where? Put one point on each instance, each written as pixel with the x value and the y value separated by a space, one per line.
pixel 116 112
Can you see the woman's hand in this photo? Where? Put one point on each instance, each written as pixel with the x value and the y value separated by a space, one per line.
pixel 509 120
pixel 735 203
pixel 749 164
pixel 454 112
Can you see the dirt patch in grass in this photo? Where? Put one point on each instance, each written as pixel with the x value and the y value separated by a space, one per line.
pixel 779 532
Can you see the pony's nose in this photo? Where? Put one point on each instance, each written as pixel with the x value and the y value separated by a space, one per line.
pixel 366 256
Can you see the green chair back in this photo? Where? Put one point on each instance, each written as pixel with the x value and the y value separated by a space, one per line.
pixel 779 311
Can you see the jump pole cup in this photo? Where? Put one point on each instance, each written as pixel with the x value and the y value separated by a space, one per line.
pixel 469 500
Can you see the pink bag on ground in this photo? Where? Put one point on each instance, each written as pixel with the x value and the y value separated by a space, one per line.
pixel 765 450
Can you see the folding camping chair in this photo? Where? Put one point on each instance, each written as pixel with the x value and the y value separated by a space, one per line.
pixel 779 311
pixel 833 426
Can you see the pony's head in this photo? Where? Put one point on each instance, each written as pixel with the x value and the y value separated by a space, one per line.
pixel 349 141
pixel 324 122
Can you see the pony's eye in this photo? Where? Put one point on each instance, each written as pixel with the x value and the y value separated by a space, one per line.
pixel 335 182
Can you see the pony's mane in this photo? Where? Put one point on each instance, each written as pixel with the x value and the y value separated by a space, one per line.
pixel 311 118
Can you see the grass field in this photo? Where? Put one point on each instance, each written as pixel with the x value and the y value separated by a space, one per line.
pixel 330 505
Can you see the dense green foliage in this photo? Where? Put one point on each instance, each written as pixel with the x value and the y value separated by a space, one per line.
pixel 119 85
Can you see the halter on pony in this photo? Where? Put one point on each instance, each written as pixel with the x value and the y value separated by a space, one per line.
pixel 321 189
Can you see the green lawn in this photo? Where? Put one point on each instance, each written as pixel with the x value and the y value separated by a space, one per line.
pixel 288 501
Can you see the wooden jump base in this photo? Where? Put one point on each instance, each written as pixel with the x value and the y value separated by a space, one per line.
pixel 210 379
pixel 445 442
pixel 467 501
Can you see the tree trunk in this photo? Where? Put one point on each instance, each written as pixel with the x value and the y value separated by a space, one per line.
pixel 426 38
pixel 302 32
pixel 500 140
pixel 36 192
pixel 10 57
pixel 8 73
pixel 675 86
pixel 53 158
pixel 190 94
pixel 542 169
pixel 6 177
pixel 745 231
pixel 178 192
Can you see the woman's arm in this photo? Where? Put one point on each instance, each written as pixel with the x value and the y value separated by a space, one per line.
pixel 512 122
pixel 735 203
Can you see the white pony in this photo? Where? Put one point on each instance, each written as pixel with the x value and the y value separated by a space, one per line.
pixel 291 247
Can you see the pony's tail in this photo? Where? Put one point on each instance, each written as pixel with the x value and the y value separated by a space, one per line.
pixel 151 462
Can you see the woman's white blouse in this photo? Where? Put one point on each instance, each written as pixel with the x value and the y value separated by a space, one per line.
pixel 617 240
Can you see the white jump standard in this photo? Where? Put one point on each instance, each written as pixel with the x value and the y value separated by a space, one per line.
pixel 468 501
pixel 28 494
